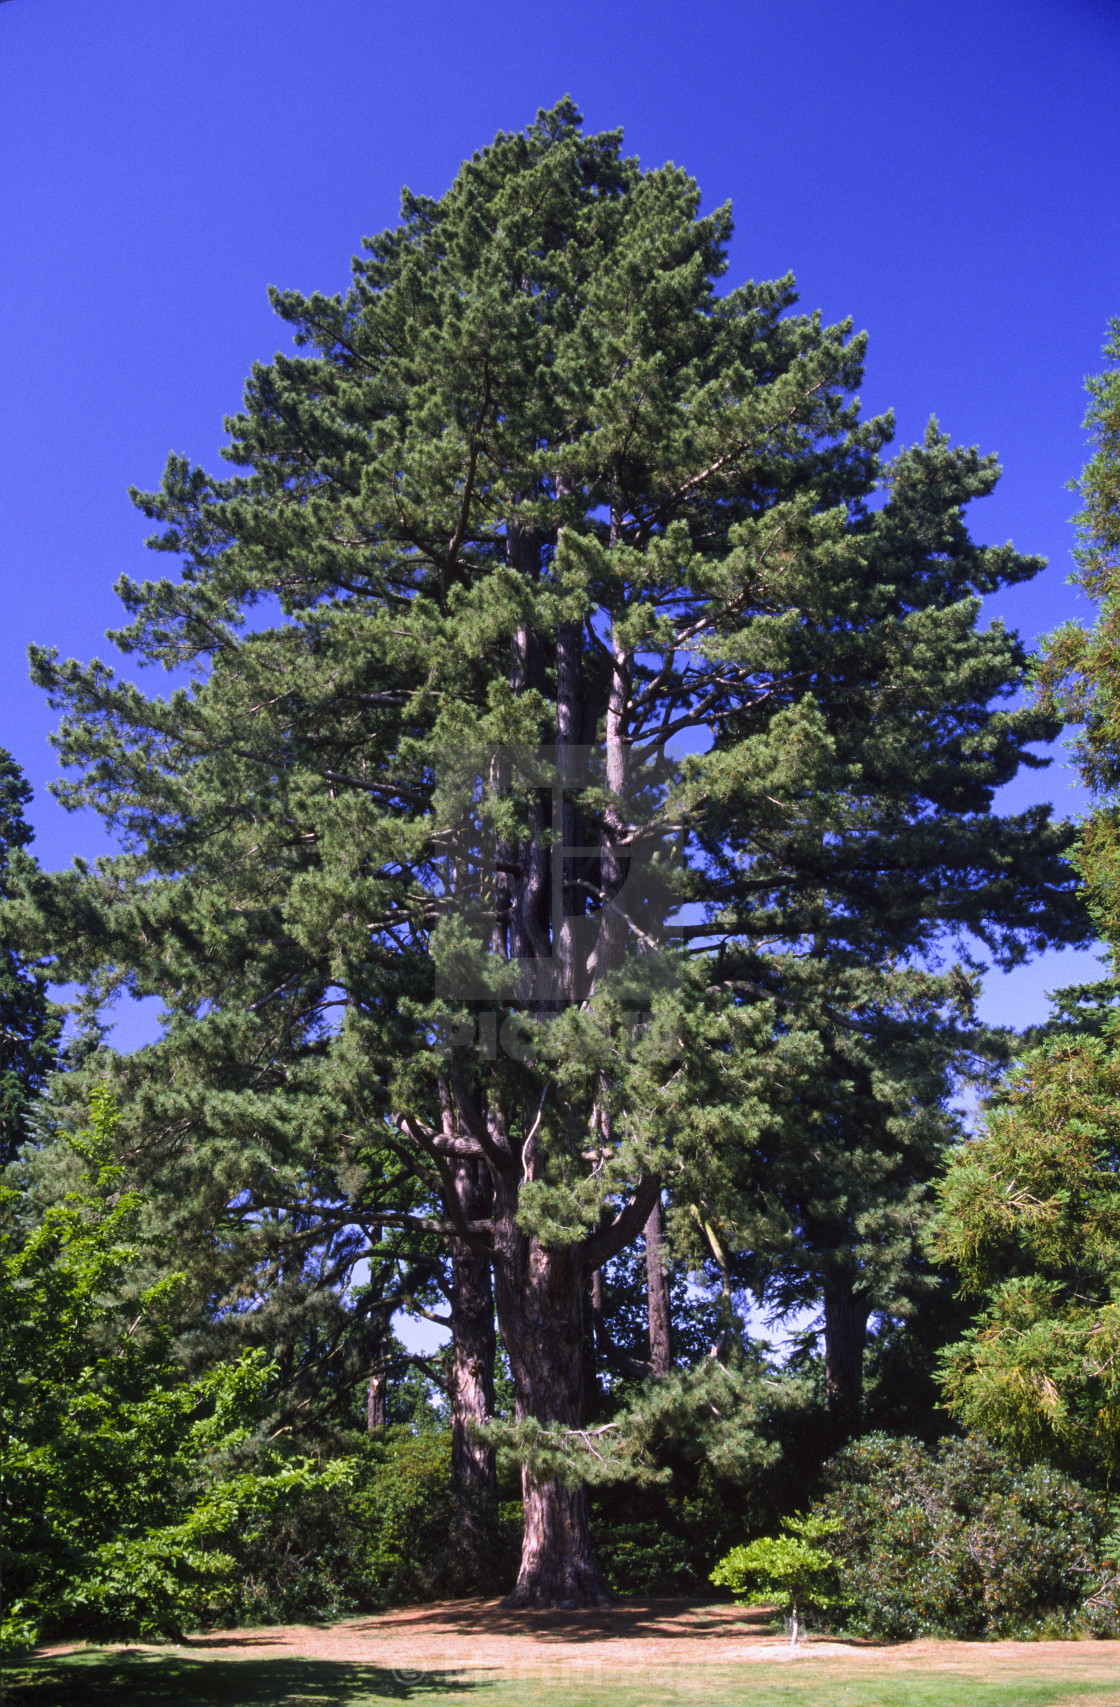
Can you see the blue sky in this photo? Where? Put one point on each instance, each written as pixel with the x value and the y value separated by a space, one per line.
pixel 946 173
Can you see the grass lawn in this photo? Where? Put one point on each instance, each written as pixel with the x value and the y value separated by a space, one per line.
pixel 172 1678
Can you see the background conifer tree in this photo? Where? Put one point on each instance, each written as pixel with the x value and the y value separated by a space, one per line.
pixel 1031 1208
pixel 29 1024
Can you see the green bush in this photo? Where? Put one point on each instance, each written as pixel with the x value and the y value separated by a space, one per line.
pixel 642 1558
pixel 140 1502
pixel 794 1570
pixel 384 1536
pixel 961 1540
pixel 124 1481
pixel 663 1538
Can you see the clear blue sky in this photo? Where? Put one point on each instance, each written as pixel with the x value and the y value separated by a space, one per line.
pixel 947 172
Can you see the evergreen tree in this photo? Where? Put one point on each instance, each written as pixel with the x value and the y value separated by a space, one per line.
pixel 539 506
pixel 836 1209
pixel 899 856
pixel 29 1024
pixel 1079 676
pixel 1029 1210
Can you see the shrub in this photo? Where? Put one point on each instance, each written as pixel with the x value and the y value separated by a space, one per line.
pixel 123 1480
pixel 662 1538
pixel 383 1537
pixel 793 1569
pixel 642 1558
pixel 960 1540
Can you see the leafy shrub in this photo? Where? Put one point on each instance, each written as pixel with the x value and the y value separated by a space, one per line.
pixel 642 1558
pixel 1039 1369
pixel 663 1538
pixel 960 1540
pixel 138 1501
pixel 123 1480
pixel 406 1510
pixel 298 1563
pixel 793 1569
pixel 384 1536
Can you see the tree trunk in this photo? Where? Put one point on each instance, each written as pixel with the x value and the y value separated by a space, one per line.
pixel 540 1312
pixel 471 1387
pixel 539 1290
pixel 592 1307
pixel 845 1327
pixel 657 1296
pixel 375 1401
pixel 556 1564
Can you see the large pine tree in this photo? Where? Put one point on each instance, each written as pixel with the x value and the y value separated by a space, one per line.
pixel 536 510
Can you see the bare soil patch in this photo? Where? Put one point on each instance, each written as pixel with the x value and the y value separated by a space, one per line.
pixel 477 1639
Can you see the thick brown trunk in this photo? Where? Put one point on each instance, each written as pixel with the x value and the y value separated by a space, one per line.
pixel 657 1296
pixel 556 1564
pixel 845 1328
pixel 471 1385
pixel 540 1311
pixel 539 1290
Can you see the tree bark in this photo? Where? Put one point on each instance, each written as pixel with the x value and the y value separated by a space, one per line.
pixel 845 1328
pixel 556 1564
pixel 375 1401
pixel 540 1312
pixel 658 1308
pixel 592 1308
pixel 471 1385
pixel 539 1289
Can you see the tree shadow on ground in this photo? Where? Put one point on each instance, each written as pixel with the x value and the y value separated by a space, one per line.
pixel 681 1620
pixel 145 1679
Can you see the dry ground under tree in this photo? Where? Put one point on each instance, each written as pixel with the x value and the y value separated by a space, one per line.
pixel 644 1651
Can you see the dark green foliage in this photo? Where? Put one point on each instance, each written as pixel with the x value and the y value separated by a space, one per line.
pixel 726 1415
pixel 383 1537
pixel 29 1024
pixel 903 1390
pixel 1078 675
pixel 649 1556
pixel 696 1317
pixel 679 1469
pixel 139 1501
pixel 664 1538
pixel 960 1540
pixel 542 346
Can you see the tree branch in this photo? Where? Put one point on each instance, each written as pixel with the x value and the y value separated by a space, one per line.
pixel 624 1229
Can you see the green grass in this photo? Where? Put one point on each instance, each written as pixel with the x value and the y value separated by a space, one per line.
pixel 98 1679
